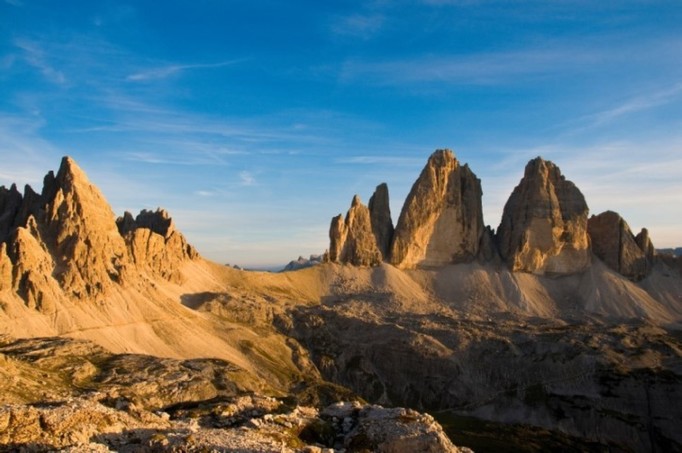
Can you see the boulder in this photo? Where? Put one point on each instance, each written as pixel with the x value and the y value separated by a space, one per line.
pixel 544 224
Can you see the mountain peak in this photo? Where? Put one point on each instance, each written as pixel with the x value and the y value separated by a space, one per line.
pixel 442 219
pixel 544 223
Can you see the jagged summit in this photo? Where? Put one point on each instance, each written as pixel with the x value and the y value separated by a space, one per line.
pixel 544 223
pixel 544 226
pixel 352 239
pixel 442 219
pixel 65 242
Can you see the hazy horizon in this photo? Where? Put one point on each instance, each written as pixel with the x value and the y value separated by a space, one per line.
pixel 254 124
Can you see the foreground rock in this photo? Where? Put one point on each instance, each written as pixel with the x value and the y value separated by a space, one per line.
pixel 58 393
pixel 442 219
pixel 614 244
pixel 85 424
pixel 544 223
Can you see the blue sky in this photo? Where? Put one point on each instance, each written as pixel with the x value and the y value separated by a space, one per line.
pixel 254 123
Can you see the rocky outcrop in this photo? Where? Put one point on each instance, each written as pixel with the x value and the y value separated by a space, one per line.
pixel 10 204
pixel 352 240
pixel 544 223
pixel 80 232
pixel 65 241
pixel 614 244
pixel 154 244
pixel 644 242
pixel 442 219
pixel 396 430
pixel 134 402
pixel 380 217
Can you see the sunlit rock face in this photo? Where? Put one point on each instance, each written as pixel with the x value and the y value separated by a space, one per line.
pixel 352 240
pixel 65 242
pixel 544 224
pixel 442 219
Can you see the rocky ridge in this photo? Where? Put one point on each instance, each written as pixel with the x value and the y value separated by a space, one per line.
pixel 65 242
pixel 544 228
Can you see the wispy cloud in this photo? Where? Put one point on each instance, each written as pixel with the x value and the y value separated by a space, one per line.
pixel 35 56
pixel 358 25
pixel 481 68
pixel 14 2
pixel 638 104
pixel 170 70
pixel 384 160
pixel 166 159
pixel 247 179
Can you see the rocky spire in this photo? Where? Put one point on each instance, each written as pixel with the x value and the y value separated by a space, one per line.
pixel 442 219
pixel 10 204
pixel 544 223
pixel 380 217
pixel 614 244
pixel 352 241
pixel 65 241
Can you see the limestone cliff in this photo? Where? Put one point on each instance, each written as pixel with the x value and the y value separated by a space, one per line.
pixel 65 242
pixel 442 219
pixel 352 240
pixel 544 223
pixel 154 244
pixel 380 217
pixel 614 244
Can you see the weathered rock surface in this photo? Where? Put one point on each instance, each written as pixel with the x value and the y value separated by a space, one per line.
pixel 65 242
pixel 442 219
pixel 544 223
pixel 614 244
pixel 643 241
pixel 70 394
pixel 380 216
pixel 352 240
pixel 154 243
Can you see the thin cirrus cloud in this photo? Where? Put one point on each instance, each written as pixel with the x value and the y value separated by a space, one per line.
pixel 247 179
pixel 358 25
pixel 638 103
pixel 34 55
pixel 170 70
pixel 486 68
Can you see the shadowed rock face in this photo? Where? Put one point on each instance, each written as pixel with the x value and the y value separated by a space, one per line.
pixel 615 245
pixel 442 219
pixel 352 240
pixel 380 217
pixel 544 223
